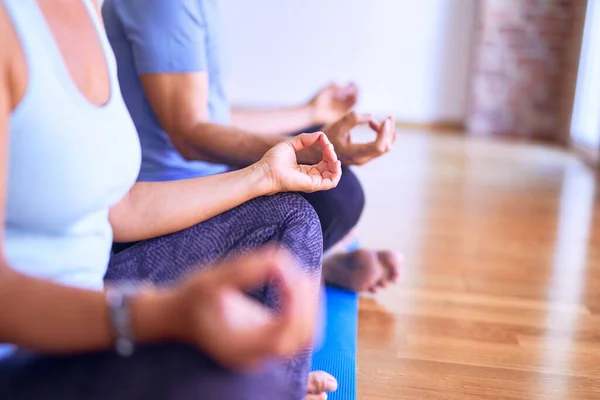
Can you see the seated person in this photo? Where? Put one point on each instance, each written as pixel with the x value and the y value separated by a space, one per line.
pixel 171 76
pixel 69 158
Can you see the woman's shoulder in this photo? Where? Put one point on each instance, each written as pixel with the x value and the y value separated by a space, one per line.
pixel 13 67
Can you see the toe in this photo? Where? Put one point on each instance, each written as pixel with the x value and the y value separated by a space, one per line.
pixel 391 263
pixel 368 269
pixel 320 396
pixel 320 382
pixel 355 271
pixel 382 283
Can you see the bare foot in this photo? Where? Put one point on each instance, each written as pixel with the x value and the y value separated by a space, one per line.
pixel 391 264
pixel 362 270
pixel 319 384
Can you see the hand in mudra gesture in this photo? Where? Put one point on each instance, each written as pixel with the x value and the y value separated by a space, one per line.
pixel 212 310
pixel 332 102
pixel 351 153
pixel 287 175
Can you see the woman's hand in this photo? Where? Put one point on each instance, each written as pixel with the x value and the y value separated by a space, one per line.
pixel 286 175
pixel 215 313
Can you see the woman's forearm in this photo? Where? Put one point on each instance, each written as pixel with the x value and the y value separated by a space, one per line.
pixel 51 318
pixel 153 209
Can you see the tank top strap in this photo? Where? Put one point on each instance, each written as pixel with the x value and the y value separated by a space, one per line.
pixel 27 22
pixel 104 43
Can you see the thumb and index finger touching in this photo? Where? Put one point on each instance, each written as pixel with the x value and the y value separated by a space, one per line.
pixel 305 140
pixel 386 136
pixel 351 120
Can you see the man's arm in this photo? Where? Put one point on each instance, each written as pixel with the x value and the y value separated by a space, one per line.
pixel 180 103
pixel 274 121
pixel 168 43
pixel 168 40
pixel 328 105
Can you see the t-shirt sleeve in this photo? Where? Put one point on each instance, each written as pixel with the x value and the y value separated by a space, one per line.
pixel 166 36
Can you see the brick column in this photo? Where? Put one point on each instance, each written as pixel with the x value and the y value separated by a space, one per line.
pixel 525 61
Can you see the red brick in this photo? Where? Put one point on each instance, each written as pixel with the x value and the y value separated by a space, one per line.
pixel 523 72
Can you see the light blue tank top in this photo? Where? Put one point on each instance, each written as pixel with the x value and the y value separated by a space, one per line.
pixel 69 161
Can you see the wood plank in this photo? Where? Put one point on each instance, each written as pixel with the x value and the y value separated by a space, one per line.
pixel 500 297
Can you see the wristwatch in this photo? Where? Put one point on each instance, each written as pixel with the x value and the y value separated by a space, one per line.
pixel 118 300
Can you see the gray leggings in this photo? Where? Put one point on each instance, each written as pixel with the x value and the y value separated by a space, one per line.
pixel 171 371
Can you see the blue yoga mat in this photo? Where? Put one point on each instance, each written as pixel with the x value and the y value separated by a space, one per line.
pixel 337 352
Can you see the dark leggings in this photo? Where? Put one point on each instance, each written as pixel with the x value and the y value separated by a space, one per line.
pixel 173 371
pixel 339 209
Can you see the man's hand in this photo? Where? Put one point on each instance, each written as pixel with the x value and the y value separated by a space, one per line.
pixel 360 153
pixel 213 311
pixel 286 175
pixel 332 102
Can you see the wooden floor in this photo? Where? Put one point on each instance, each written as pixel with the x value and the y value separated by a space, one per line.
pixel 500 295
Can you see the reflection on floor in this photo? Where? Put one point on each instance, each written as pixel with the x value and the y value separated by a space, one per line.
pixel 500 295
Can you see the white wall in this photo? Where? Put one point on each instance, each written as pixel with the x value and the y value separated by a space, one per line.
pixel 585 123
pixel 411 58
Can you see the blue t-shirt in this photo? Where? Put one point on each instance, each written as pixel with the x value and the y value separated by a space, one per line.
pixel 166 36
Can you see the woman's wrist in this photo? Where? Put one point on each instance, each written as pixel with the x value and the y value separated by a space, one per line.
pixel 155 316
pixel 260 179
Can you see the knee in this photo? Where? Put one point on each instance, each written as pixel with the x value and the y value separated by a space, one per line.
pixel 297 210
pixel 299 228
pixel 341 208
pixel 351 198
pixel 286 209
